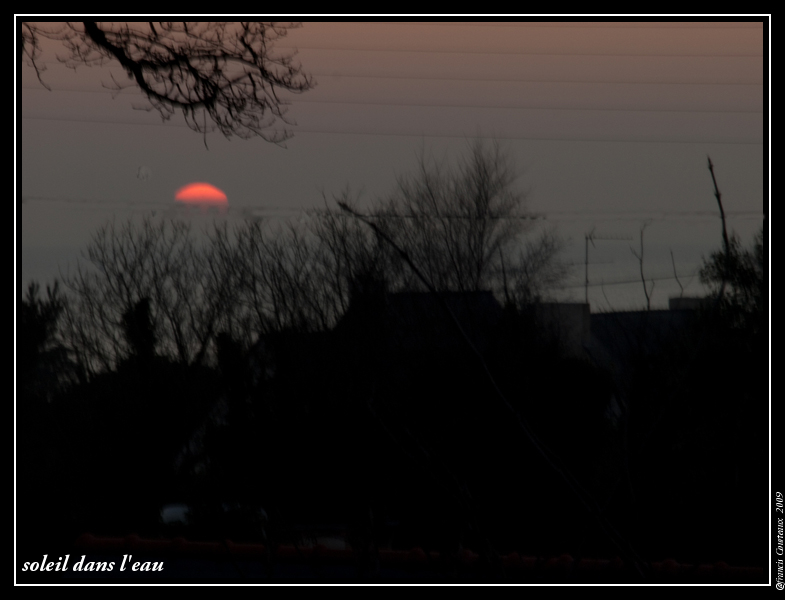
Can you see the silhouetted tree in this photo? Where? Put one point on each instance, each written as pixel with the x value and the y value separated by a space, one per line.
pixel 139 332
pixel 44 366
pixel 297 321
pixel 695 403
pixel 223 76
pixel 743 301
pixel 44 374
pixel 190 287
pixel 536 269
pixel 464 226
pixel 455 221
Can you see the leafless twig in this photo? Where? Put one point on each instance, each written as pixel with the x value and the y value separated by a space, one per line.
pixel 218 75
pixel 647 292
pixel 676 276
pixel 725 240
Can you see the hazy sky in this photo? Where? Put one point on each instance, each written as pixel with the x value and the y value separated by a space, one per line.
pixel 609 125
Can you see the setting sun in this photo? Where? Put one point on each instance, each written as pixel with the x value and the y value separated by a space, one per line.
pixel 200 193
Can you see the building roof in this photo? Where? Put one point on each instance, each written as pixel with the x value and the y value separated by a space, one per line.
pixel 414 320
pixel 625 336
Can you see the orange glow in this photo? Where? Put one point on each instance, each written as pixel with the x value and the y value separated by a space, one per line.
pixel 200 193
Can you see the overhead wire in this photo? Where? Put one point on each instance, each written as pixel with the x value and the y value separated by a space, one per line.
pixel 340 75
pixel 293 129
pixel 441 105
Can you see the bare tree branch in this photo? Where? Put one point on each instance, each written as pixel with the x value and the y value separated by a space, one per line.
pixel 676 276
pixel 725 240
pixel 639 255
pixel 224 76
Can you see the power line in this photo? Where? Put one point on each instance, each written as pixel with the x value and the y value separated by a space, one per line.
pixel 641 213
pixel 533 216
pixel 502 80
pixel 472 106
pixel 512 53
pixel 625 281
pixel 142 204
pixel 574 25
pixel 515 80
pixel 416 135
pixel 663 110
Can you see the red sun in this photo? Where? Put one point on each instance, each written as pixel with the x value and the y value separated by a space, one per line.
pixel 200 193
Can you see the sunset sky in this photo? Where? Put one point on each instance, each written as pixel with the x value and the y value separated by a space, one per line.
pixel 609 125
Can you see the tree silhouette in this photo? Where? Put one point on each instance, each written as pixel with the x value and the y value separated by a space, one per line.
pixel 139 332
pixel 44 370
pixel 43 362
pixel 455 221
pixel 741 273
pixel 464 224
pixel 191 288
pixel 223 76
